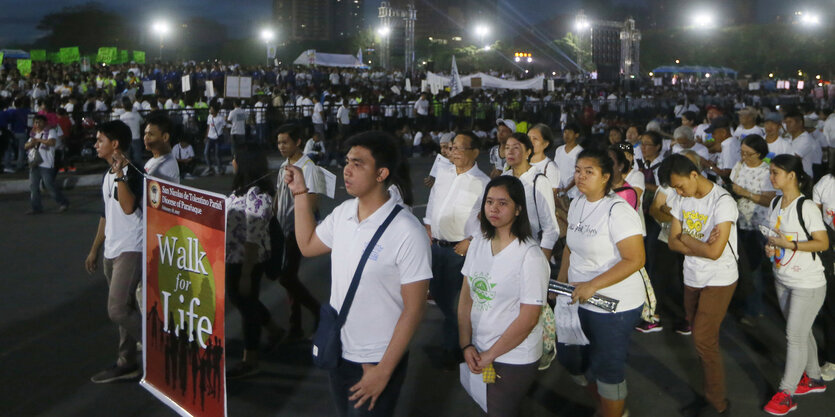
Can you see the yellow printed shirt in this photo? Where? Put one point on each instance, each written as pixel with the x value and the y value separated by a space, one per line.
pixel 698 217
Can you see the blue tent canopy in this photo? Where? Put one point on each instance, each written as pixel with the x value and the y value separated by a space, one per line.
pixel 693 69
pixel 15 54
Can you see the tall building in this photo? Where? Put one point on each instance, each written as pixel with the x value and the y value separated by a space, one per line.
pixel 318 20
pixel 347 17
pixel 304 20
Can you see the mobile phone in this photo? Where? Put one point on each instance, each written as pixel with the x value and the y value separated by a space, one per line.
pixel 766 231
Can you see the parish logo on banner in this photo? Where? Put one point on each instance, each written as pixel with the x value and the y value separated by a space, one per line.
pixel 183 285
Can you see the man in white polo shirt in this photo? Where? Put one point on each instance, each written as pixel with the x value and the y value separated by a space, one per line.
pixel 237 117
pixel 391 296
pixel 451 222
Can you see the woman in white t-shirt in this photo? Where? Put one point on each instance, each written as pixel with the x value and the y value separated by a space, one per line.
pixel 603 255
pixel 249 209
pixel 824 196
pixel 704 230
pixel 798 277
pixel 542 139
pixel 754 192
pixel 502 296
pixel 538 191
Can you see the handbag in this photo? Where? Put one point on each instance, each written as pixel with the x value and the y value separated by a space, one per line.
pixel 549 337
pixel 327 342
pixel 34 157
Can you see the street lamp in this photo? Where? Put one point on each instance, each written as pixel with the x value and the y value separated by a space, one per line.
pixel 809 18
pixel 267 35
pixel 481 31
pixel 703 20
pixel 383 31
pixel 161 28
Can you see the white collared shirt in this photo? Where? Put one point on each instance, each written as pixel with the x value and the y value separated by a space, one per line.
pixel 454 203
pixel 402 256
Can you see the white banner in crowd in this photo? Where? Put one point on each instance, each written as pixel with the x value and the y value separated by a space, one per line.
pixel 149 87
pixel 408 85
pixel 210 89
pixel 238 87
pixel 487 81
pixel 186 82
pixel 455 86
pixel 753 86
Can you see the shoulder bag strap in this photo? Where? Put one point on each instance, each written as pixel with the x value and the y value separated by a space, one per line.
pixel 355 282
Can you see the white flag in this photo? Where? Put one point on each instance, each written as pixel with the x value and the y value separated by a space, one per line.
pixel 359 55
pixel 455 87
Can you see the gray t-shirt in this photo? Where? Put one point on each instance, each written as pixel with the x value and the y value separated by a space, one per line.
pixel 164 167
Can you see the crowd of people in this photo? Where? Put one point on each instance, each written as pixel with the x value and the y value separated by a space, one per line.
pixel 682 203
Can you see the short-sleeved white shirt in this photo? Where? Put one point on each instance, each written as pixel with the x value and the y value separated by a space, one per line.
pixel 594 230
pixel 314 180
pixel 740 132
pixel 182 152
pixel 824 194
pixel 122 232
pixel 499 284
pixel 133 120
pixel 566 162
pixel 804 147
pixel 238 119
pixel 549 168
pixel 164 167
pixel 798 269
pixel 441 163
pixel 698 217
pixel 780 146
pixel 755 180
pixel 316 117
pixel 402 256
pixel 216 125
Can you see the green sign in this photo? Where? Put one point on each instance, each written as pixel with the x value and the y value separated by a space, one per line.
pixel 69 55
pixel 37 55
pixel 108 55
pixel 1 57
pixel 53 57
pixel 139 57
pixel 123 57
pixel 24 66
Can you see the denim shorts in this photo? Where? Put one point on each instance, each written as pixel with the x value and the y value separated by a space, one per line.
pixel 604 358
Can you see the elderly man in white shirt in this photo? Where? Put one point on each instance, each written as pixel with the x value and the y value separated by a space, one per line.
pixel 451 221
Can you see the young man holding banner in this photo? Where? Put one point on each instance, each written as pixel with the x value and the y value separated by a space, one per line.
pixel 390 298
pixel 120 231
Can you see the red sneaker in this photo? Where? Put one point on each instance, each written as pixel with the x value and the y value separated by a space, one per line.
pixel 781 404
pixel 808 385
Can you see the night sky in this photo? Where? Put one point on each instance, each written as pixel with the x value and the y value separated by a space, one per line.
pixel 244 17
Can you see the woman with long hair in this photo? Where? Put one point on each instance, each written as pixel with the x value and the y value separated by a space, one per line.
pixel 502 297
pixel 249 209
pixel 798 234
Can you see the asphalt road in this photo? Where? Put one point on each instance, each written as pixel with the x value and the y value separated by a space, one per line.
pixel 55 334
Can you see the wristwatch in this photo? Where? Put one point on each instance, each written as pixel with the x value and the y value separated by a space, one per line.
pixel 121 179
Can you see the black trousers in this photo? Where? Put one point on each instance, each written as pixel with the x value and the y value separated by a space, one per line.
pixel 348 373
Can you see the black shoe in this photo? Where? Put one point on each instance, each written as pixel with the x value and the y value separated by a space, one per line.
pixel 241 369
pixel 117 373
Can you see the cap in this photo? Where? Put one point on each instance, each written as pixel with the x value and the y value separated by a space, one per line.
pixel 507 122
pixel 774 117
pixel 718 123
pixel 749 111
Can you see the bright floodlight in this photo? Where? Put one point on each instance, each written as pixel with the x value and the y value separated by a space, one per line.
pixel 810 18
pixel 267 35
pixel 487 48
pixel 703 20
pixel 383 31
pixel 482 30
pixel 160 27
pixel 530 59
pixel 582 24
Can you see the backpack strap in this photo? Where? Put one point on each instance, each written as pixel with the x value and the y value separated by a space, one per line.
pixel 799 208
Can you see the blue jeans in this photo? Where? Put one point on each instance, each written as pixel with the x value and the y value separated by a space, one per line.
pixel 15 153
pixel 444 287
pixel 48 177
pixel 212 146
pixel 604 358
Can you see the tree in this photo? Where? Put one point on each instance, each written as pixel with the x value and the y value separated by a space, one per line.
pixel 578 50
pixel 87 26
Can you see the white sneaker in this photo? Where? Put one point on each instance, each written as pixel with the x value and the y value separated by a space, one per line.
pixel 828 371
